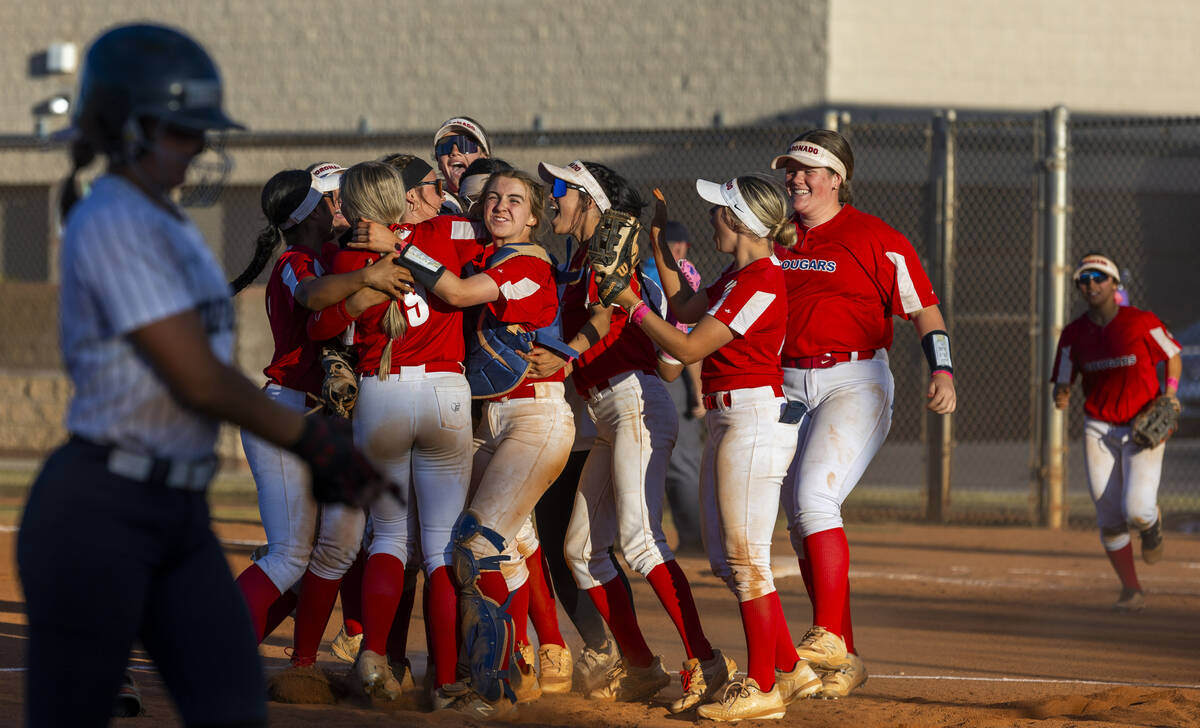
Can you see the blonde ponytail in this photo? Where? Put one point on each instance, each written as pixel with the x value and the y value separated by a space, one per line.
pixel 394 326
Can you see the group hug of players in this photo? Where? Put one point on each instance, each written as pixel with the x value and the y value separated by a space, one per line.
pixel 436 283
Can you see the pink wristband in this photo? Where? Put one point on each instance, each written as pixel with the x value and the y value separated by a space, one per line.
pixel 638 313
pixel 1173 383
pixel 942 371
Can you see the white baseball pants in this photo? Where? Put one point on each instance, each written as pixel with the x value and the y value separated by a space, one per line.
pixel 623 483
pixel 289 513
pixel 1123 479
pixel 416 429
pixel 746 458
pixel 849 415
pixel 521 447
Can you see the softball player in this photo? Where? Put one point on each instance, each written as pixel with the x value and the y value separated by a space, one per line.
pixel 458 142
pixel 525 435
pixel 1116 349
pixel 742 319
pixel 412 418
pixel 847 275
pixel 119 513
pixel 621 489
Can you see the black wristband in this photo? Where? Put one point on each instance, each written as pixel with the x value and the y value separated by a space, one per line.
pixel 425 270
pixel 936 345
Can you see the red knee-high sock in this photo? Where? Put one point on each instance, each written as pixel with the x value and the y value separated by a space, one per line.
pixel 613 602
pixel 317 597
pixel 1122 563
pixel 383 583
pixel 675 593
pixel 279 611
pixel 351 592
pixel 758 621
pixel 543 611
pixel 441 619
pixel 847 628
pixel 260 593
pixel 492 585
pixel 829 554
pixel 785 649
pixel 519 611
pixel 397 644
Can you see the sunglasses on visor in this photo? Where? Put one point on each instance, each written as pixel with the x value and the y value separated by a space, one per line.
pixel 1091 276
pixel 465 144
pixel 561 186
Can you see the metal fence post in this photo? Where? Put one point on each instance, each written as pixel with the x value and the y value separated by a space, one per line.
pixel 1051 502
pixel 939 428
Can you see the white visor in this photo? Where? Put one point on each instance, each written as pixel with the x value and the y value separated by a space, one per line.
pixel 1100 263
pixel 812 155
pixel 329 176
pixel 305 208
pixel 577 174
pixel 728 195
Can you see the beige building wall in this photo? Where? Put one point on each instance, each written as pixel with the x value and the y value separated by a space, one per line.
pixel 1105 56
pixel 409 64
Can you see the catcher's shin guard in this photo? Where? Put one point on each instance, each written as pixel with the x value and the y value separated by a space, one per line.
pixel 487 628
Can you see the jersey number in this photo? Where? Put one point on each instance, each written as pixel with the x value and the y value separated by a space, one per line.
pixel 416 308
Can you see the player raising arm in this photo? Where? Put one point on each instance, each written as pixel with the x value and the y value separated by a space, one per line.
pixel 1116 349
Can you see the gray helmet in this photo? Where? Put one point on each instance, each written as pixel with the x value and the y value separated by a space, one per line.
pixel 146 71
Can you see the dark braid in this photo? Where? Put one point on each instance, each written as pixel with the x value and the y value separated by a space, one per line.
pixel 282 194
pixel 82 154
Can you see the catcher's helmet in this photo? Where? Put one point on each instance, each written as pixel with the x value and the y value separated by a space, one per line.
pixel 133 72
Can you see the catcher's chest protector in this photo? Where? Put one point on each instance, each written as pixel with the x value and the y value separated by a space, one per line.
pixel 493 366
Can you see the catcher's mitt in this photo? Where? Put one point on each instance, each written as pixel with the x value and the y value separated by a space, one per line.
pixel 339 391
pixel 613 253
pixel 1157 421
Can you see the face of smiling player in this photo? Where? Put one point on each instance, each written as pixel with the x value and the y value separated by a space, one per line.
pixel 453 165
pixel 812 191
pixel 1097 289
pixel 507 211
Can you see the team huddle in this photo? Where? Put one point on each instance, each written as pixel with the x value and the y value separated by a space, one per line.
pixel 446 399
pixel 433 286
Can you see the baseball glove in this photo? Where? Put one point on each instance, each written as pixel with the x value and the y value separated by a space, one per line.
pixel 339 391
pixel 1157 421
pixel 613 253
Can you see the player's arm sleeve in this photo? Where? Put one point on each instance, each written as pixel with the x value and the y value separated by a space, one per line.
pixel 911 289
pixel 295 269
pixel 1064 367
pixel 740 307
pixel 332 321
pixel 1159 341
pixel 115 262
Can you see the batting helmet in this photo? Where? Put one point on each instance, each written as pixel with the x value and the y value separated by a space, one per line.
pixel 134 72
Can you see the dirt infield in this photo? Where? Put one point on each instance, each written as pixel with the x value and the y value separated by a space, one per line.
pixel 958 627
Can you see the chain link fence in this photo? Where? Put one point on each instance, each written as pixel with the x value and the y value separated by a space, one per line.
pixel 1135 194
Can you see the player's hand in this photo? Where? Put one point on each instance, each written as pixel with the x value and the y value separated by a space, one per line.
pixel 941 394
pixel 627 299
pixel 1062 396
pixel 370 235
pixel 697 410
pixel 544 362
pixel 386 276
pixel 659 221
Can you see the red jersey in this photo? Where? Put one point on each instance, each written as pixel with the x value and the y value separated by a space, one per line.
pixel 296 362
pixel 846 278
pixel 528 298
pixel 752 302
pixel 434 332
pixel 624 349
pixel 1117 362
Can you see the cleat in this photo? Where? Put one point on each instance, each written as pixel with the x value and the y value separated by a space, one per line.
pixel 521 676
pixel 592 667
pixel 345 647
pixel 801 682
pixel 823 649
pixel 1131 600
pixel 744 700
pixel 459 697
pixel 129 699
pixel 376 675
pixel 1152 542
pixel 554 669
pixel 841 682
pixel 629 684
pixel 702 680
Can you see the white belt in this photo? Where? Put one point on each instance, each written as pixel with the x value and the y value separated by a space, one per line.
pixel 192 475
